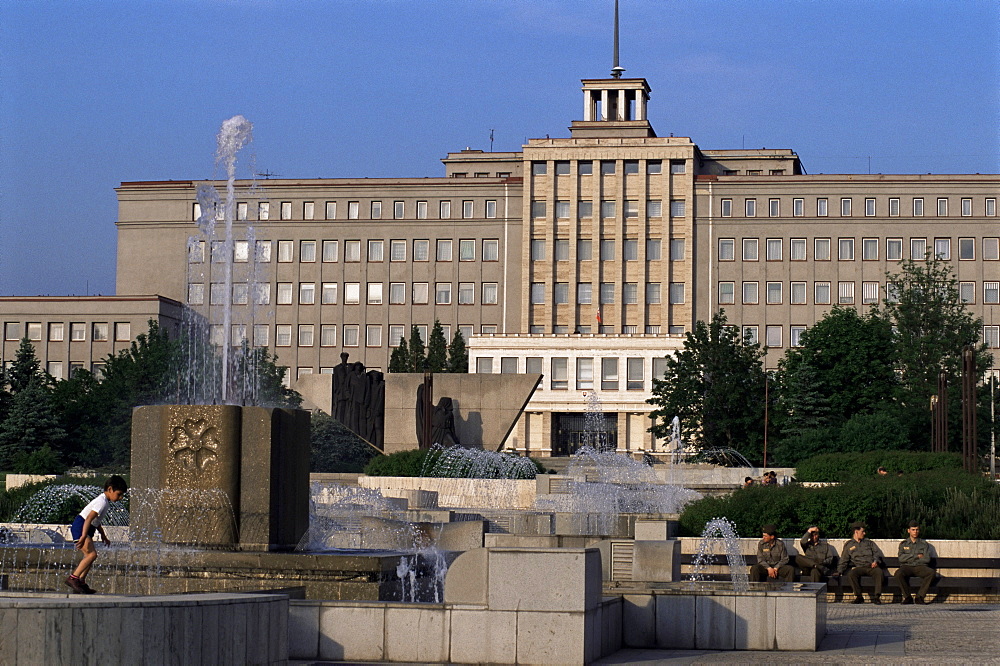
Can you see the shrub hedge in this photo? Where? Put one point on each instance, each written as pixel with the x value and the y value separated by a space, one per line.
pixel 402 463
pixel 14 499
pixel 950 504
pixel 414 463
pixel 844 466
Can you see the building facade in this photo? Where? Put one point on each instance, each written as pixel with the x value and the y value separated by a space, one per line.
pixel 585 257
pixel 70 332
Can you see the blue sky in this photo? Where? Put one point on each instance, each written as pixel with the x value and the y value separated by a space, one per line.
pixel 96 93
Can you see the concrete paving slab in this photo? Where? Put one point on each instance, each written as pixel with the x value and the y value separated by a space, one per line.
pixel 868 634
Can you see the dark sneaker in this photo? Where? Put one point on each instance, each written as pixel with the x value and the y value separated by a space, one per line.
pixel 88 589
pixel 907 601
pixel 876 601
pixel 77 585
pixel 858 600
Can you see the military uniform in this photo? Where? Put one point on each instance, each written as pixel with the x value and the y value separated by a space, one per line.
pixel 816 559
pixel 914 560
pixel 856 559
pixel 772 555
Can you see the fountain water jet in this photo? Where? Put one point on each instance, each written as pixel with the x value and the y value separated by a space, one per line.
pixel 716 530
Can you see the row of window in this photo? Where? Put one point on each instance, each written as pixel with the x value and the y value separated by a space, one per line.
pixel 57 369
pixel 100 331
pixel 608 208
pixel 822 207
pixel 774 292
pixel 607 167
pixel 375 210
pixel 305 335
pixel 585 249
pixel 635 378
pixel 773 335
pixel 328 251
pixel 606 329
pixel 822 249
pixel 606 293
pixel 329 293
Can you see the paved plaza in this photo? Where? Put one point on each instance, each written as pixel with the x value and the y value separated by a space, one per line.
pixel 868 634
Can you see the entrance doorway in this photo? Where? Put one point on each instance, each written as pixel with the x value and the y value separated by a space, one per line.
pixel 570 431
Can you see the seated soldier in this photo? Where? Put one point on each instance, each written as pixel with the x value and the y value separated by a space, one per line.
pixel 862 557
pixel 816 559
pixel 772 558
pixel 915 556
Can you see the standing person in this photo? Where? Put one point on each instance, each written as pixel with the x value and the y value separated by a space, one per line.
pixel 83 528
pixel 915 557
pixel 862 557
pixel 817 556
pixel 772 558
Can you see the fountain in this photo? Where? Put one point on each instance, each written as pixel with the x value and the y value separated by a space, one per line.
pixel 716 530
pixel 596 435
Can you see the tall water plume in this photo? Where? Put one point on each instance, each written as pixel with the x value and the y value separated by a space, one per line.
pixel 222 354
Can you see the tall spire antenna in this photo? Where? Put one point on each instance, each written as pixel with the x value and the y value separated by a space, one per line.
pixel 616 69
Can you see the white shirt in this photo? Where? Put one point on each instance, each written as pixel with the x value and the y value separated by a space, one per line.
pixel 100 505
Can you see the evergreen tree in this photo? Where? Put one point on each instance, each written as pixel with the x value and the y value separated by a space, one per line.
pixel 5 397
pixel 715 385
pixel 24 368
pixel 437 349
pixel 30 425
pixel 417 357
pixel 804 399
pixel 399 360
pixel 458 355
pixel 335 448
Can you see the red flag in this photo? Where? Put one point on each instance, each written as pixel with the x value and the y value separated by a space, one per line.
pixel 599 320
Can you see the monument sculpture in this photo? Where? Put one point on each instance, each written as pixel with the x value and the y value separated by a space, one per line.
pixel 359 400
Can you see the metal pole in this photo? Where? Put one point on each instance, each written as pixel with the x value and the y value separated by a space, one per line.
pixel 428 408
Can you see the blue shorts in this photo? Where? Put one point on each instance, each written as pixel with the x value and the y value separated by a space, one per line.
pixel 76 529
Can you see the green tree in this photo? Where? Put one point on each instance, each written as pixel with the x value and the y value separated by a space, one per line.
pixel 804 399
pixel 715 385
pixel 335 448
pixel 399 360
pixel 845 361
pixel 5 397
pixel 437 349
pixel 933 326
pixel 458 355
pixel 24 368
pixel 30 425
pixel 417 357
pixel 270 378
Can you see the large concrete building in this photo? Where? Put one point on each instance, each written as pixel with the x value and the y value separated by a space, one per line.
pixel 585 258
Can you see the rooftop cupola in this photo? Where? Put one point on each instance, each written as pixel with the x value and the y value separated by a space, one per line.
pixel 614 107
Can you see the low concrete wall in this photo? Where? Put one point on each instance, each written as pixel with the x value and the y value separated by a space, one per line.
pixel 649 561
pixel 188 629
pixel 502 605
pixel 790 618
pixel 18 480
pixel 712 475
pixel 464 493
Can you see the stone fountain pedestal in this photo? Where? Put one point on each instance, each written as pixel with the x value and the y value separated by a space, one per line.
pixel 221 476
